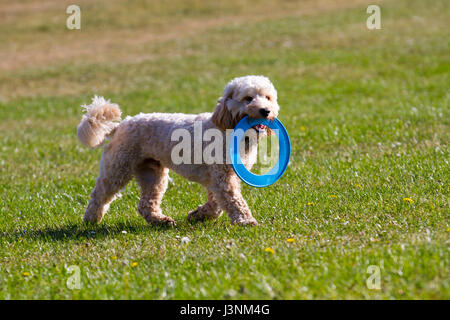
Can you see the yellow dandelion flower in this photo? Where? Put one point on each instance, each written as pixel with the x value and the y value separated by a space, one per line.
pixel 310 204
pixel 448 229
pixel 134 264
pixel 26 274
pixel 303 128
pixel 358 186
pixel 290 240
pixel 114 257
pixel 408 200
pixel 268 249
pixel 333 196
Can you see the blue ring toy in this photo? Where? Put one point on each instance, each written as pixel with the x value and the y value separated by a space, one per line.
pixel 278 170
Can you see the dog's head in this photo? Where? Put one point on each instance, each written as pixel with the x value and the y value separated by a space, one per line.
pixel 253 96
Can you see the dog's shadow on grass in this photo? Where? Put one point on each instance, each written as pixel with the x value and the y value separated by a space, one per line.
pixel 80 231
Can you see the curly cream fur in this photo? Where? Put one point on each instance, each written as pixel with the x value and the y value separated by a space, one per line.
pixel 141 146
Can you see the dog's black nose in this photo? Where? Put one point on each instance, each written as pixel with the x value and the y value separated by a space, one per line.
pixel 264 112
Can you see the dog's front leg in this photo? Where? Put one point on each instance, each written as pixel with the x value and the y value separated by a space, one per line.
pixel 227 191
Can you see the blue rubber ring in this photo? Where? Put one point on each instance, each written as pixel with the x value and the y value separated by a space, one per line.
pixel 278 170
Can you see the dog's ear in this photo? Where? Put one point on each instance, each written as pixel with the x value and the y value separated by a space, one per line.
pixel 222 117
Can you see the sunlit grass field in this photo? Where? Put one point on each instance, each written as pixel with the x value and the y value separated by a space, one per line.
pixel 367 112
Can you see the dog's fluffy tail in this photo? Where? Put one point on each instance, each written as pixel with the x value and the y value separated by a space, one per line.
pixel 99 122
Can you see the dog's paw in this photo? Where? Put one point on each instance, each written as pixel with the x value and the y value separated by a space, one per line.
pixel 91 219
pixel 195 215
pixel 201 214
pixel 243 221
pixel 163 221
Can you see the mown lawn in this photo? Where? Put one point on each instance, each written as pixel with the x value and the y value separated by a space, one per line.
pixel 368 116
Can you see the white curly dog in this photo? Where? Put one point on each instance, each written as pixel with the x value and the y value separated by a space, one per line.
pixel 141 146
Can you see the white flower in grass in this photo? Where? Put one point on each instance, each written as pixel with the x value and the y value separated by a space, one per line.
pixel 185 240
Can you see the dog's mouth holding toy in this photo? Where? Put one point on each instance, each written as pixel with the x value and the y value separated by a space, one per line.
pixel 259 128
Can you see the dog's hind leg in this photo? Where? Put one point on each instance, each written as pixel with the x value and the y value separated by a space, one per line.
pixel 210 210
pixel 152 178
pixel 113 177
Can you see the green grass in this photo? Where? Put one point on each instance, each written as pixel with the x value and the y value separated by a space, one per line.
pixel 368 116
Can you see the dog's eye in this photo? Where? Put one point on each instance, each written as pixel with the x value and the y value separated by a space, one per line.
pixel 248 99
pixel 269 98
